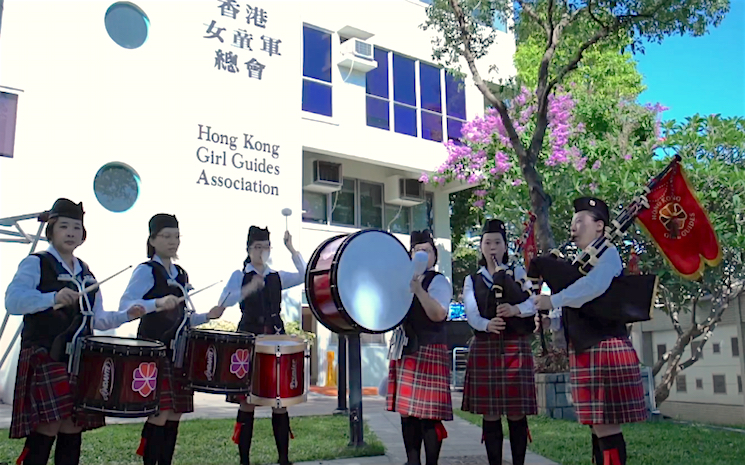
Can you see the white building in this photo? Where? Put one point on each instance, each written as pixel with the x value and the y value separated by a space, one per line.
pixel 710 390
pixel 219 116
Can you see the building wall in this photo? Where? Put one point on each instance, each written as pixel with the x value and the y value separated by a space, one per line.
pixel 87 102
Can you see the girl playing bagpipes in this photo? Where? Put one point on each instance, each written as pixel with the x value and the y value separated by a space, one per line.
pixel 606 379
pixel 500 375
pixel 419 382
pixel 152 288
pixel 43 405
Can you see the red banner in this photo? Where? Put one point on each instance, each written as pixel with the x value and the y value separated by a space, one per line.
pixel 678 224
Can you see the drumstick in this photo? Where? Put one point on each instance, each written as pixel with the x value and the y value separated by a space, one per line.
pixel 286 212
pixel 94 286
pixel 183 298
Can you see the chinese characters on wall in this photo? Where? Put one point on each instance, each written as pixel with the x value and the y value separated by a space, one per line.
pixel 243 43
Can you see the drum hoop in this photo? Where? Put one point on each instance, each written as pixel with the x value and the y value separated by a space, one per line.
pixel 334 270
pixel 284 402
pixel 310 289
pixel 264 344
pixel 157 345
pixel 223 336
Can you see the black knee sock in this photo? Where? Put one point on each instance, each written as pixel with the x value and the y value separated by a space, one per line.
pixel 67 451
pixel 243 434
pixel 170 434
pixel 432 441
pixel 597 454
pixel 153 437
pixel 614 449
pixel 411 429
pixel 493 438
pixel 37 449
pixel 518 440
pixel 281 427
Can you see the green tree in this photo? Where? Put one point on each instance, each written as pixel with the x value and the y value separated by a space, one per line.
pixel 570 30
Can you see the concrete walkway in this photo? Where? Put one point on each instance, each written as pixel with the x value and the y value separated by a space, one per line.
pixel 463 445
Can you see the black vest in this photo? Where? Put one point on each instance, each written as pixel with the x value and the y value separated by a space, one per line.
pixel 512 294
pixel 584 331
pixel 41 328
pixel 261 309
pixel 419 328
pixel 162 326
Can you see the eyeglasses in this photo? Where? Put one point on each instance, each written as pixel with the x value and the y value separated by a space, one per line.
pixel 168 237
pixel 261 248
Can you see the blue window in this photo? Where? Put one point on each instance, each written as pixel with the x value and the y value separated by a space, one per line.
pixel 378 100
pixel 404 95
pixel 317 71
pixel 405 119
pixel 455 97
pixel 430 96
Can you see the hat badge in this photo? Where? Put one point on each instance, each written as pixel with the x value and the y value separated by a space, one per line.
pixel 592 203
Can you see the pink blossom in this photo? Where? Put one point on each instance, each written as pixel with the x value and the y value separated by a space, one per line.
pixel 580 163
pixel 627 156
pixel 593 187
pixel 596 165
pixel 424 178
pixel 435 178
pixel 479 203
pixel 517 182
pixel 480 193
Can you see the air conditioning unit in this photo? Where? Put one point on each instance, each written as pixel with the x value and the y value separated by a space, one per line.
pixel 322 176
pixel 404 191
pixel 358 54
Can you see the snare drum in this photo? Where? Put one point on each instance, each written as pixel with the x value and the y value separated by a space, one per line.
pixel 360 282
pixel 119 376
pixel 279 372
pixel 219 361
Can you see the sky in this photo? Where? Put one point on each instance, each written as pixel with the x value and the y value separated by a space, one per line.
pixel 704 75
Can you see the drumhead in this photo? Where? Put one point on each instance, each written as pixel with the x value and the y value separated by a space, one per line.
pixel 122 342
pixel 373 278
pixel 220 335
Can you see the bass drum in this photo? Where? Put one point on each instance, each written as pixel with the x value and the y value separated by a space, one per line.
pixel 360 282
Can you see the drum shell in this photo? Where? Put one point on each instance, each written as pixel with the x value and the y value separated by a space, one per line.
pixel 106 375
pixel 279 380
pixel 220 362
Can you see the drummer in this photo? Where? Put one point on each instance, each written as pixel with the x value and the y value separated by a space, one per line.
pixel 258 289
pixel 149 288
pixel 43 401
pixel 419 383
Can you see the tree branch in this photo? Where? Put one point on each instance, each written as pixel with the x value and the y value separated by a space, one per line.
pixel 527 9
pixel 592 15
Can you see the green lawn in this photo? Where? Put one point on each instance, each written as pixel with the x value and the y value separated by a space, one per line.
pixel 208 442
pixel 653 443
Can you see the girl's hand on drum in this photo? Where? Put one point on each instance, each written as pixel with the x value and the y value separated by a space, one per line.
pixel 136 311
pixel 288 242
pixel 215 312
pixel 416 284
pixel 496 325
pixel 66 296
pixel 168 302
pixel 507 310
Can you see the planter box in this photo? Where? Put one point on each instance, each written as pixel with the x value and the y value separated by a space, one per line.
pixel 554 395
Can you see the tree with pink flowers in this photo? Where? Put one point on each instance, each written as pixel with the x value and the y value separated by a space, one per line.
pixel 540 116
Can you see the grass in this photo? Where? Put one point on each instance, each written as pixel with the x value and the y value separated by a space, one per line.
pixel 209 442
pixel 650 443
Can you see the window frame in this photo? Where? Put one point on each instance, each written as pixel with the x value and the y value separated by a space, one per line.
pixel 357 205
pixel 699 384
pixel 716 348
pixel 428 195
pixel 724 383
pixel 660 354
pixel 681 387
pixel 735 342
pixel 305 78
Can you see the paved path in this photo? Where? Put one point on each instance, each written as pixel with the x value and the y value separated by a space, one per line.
pixel 463 445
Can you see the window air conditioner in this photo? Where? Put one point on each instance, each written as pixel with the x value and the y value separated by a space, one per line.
pixel 358 54
pixel 322 176
pixel 404 191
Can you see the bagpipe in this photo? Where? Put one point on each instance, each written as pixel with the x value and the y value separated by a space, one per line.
pixel 506 290
pixel 630 297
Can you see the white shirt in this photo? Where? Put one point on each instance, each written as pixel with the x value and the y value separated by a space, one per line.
pixel 142 281
pixel 441 290
pixel 588 287
pixel 478 322
pixel 231 294
pixel 22 297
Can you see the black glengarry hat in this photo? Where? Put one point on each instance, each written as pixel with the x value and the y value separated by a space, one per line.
pixel 255 233
pixel 162 221
pixel 68 209
pixel 593 205
pixel 421 237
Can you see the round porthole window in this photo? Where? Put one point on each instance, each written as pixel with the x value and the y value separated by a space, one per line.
pixel 117 187
pixel 127 24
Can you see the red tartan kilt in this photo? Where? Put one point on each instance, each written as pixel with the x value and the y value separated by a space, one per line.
pixel 44 394
pixel 607 384
pixel 500 376
pixel 175 393
pixel 419 384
